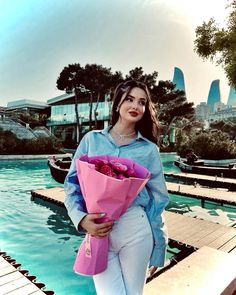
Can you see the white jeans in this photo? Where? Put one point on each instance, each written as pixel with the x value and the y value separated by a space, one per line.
pixel 130 248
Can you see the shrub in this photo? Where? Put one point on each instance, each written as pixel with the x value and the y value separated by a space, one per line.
pixel 10 144
pixel 213 144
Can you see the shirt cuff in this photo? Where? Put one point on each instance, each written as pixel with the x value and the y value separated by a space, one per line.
pixel 76 216
pixel 158 256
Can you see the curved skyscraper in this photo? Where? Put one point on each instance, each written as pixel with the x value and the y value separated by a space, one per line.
pixel 232 96
pixel 214 94
pixel 178 79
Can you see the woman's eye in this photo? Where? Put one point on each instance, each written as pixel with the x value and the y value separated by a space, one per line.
pixel 143 103
pixel 129 99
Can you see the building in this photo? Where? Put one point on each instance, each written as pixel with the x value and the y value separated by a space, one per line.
pixel 26 118
pixel 178 79
pixel 63 124
pixel 228 112
pixel 232 97
pixel 202 111
pixel 26 104
pixel 214 95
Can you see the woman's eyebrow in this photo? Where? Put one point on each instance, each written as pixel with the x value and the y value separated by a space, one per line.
pixel 142 98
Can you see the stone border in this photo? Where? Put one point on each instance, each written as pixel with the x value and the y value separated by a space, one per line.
pixel 32 157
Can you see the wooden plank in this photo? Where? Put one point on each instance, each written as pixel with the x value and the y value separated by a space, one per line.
pixel 187 230
pixel 25 290
pixel 197 177
pixel 10 277
pixel 183 228
pixel 197 233
pixel 172 221
pixel 39 292
pixel 209 194
pixel 13 285
pixel 2 259
pixel 212 236
pixel 3 264
pixel 199 273
pixel 197 239
pixel 233 251
pixel 229 245
pixel 193 228
pixel 12 281
pixel 221 240
pixel 55 194
pixel 6 270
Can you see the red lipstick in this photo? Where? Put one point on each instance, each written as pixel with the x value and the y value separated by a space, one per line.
pixel 133 114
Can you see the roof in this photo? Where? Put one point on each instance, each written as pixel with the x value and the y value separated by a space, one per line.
pixel 26 103
pixel 60 98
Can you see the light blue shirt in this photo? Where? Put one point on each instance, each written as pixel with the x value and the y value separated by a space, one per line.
pixel 153 197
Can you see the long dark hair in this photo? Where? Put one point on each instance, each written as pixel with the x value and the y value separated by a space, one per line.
pixel 148 126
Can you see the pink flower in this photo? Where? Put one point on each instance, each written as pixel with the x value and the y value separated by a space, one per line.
pixel 118 167
pixel 112 168
pixel 120 176
pixel 98 163
pixel 130 173
pixel 106 169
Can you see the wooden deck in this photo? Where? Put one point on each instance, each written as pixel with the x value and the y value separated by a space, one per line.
pixel 204 194
pixel 182 229
pixel 14 282
pixel 206 271
pixel 198 233
pixel 211 181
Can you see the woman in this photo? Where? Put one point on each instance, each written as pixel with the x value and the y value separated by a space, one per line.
pixel 138 238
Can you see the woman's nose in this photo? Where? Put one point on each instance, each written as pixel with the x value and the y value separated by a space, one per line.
pixel 135 105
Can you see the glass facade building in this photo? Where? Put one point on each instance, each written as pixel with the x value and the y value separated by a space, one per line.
pixel 178 79
pixel 214 95
pixel 232 97
pixel 63 124
pixel 65 114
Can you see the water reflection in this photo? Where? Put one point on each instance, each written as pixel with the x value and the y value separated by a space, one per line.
pixel 178 207
pixel 58 222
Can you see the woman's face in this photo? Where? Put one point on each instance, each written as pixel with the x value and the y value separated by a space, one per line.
pixel 132 106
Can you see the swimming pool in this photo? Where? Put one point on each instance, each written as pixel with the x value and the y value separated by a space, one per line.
pixel 40 235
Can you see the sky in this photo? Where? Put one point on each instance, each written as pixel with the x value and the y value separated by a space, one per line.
pixel 38 38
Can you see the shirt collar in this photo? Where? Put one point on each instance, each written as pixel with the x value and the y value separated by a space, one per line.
pixel 105 131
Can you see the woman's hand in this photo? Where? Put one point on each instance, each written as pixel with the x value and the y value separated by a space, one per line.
pixel 89 224
pixel 152 270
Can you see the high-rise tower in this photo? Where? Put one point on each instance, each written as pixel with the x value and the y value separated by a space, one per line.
pixel 232 97
pixel 214 94
pixel 178 79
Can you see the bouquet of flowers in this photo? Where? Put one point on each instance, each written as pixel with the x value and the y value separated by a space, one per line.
pixel 109 184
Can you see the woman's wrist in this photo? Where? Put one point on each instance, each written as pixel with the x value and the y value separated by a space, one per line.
pixel 81 224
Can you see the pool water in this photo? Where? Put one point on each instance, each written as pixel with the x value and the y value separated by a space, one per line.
pixel 40 235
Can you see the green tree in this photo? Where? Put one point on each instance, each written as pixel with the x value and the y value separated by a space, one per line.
pixel 171 103
pixel 225 126
pixel 71 79
pixel 219 44
pixel 99 80
pixel 138 74
pixel 94 80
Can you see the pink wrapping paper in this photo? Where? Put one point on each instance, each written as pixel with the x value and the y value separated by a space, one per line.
pixel 104 194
